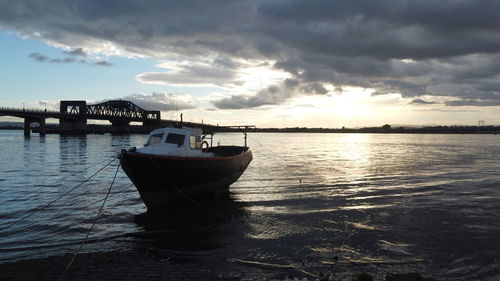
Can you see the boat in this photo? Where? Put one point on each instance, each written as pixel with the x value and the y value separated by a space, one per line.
pixel 178 164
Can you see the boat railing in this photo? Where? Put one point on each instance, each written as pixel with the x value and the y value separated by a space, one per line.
pixel 210 131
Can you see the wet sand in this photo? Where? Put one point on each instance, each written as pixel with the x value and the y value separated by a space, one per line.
pixel 145 265
pixel 108 266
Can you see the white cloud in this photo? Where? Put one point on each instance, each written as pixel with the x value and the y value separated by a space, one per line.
pixel 162 101
pixel 191 73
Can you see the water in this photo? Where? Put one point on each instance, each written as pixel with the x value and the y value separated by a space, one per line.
pixel 370 202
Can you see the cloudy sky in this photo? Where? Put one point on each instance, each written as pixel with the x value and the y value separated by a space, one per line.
pixel 312 63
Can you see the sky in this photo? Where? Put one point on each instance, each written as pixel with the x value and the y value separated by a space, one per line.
pixel 279 63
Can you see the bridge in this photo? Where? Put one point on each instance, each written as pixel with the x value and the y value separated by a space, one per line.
pixel 73 115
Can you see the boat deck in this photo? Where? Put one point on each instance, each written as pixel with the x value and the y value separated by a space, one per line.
pixel 225 151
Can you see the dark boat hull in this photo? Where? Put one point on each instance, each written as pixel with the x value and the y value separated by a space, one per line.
pixel 162 180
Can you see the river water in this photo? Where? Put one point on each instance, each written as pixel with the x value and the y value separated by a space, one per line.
pixel 368 202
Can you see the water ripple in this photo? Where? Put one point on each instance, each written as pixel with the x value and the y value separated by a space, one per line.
pixel 414 202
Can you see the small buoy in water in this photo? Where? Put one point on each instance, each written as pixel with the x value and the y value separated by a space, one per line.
pixel 300 180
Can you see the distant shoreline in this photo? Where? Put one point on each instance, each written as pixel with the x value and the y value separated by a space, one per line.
pixel 386 129
pixel 390 130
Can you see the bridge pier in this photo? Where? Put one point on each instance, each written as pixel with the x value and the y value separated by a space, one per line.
pixel 73 127
pixel 27 126
pixel 42 130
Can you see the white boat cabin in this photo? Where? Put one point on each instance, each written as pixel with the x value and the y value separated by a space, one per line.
pixel 183 142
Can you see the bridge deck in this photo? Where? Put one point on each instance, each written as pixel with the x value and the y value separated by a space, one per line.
pixel 39 115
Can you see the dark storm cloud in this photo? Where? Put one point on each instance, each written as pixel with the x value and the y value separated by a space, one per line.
pixel 426 47
pixel 385 28
pixel 270 96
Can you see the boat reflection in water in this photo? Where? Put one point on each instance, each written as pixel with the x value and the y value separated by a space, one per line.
pixel 178 164
pixel 191 226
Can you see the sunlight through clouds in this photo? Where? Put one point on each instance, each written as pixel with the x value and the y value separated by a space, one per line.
pixel 240 76
pixel 408 58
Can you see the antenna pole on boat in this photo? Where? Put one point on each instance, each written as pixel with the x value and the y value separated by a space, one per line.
pixel 245 133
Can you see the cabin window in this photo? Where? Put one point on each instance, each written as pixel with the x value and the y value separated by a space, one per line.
pixel 156 138
pixel 175 139
pixel 195 142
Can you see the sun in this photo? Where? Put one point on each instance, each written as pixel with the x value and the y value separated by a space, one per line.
pixel 352 102
pixel 353 107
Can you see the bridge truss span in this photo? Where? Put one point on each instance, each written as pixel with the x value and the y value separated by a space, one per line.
pixel 122 109
pixel 73 116
pixel 116 111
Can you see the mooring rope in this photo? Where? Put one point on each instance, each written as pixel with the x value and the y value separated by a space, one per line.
pixel 62 179
pixel 184 194
pixel 280 162
pixel 66 228
pixel 92 226
pixel 120 191
pixel 58 233
pixel 141 233
pixel 272 265
pixel 34 211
